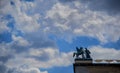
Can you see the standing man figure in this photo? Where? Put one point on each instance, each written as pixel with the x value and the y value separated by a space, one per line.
pixel 87 53
pixel 82 52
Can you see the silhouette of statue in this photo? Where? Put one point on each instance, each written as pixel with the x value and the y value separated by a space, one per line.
pixel 87 53
pixel 82 52
pixel 79 52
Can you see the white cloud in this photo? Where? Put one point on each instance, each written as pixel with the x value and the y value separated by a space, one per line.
pixel 42 58
pixel 59 14
pixel 4 50
pixel 52 53
pixel 5 7
pixel 27 23
pixel 27 69
pixel 64 11
pixel 22 12
pixel 50 57
pixel 3 26
pixel 20 41
pixel 65 20
pixel 99 52
pixel 83 21
pixel 24 21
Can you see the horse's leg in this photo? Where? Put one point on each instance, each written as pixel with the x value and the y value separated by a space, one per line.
pixel 83 56
pixel 77 55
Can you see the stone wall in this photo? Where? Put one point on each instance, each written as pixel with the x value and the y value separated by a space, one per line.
pixel 96 68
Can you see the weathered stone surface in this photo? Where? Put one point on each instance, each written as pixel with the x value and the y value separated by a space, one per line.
pixel 83 60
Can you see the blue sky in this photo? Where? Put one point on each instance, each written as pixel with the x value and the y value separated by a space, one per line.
pixel 40 36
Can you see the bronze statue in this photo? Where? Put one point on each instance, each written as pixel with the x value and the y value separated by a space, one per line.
pixel 79 52
pixel 82 52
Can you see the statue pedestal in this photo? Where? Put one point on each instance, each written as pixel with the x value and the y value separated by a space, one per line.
pixel 81 61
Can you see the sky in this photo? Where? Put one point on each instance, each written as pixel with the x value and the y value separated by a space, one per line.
pixel 40 36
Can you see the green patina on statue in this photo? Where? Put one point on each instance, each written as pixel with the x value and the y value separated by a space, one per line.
pixel 85 53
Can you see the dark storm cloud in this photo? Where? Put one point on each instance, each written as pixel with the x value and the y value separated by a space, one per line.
pixel 111 6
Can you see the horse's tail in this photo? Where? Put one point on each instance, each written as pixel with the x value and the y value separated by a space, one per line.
pixel 74 54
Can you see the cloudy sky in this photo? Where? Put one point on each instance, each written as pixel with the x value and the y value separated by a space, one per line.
pixel 40 36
